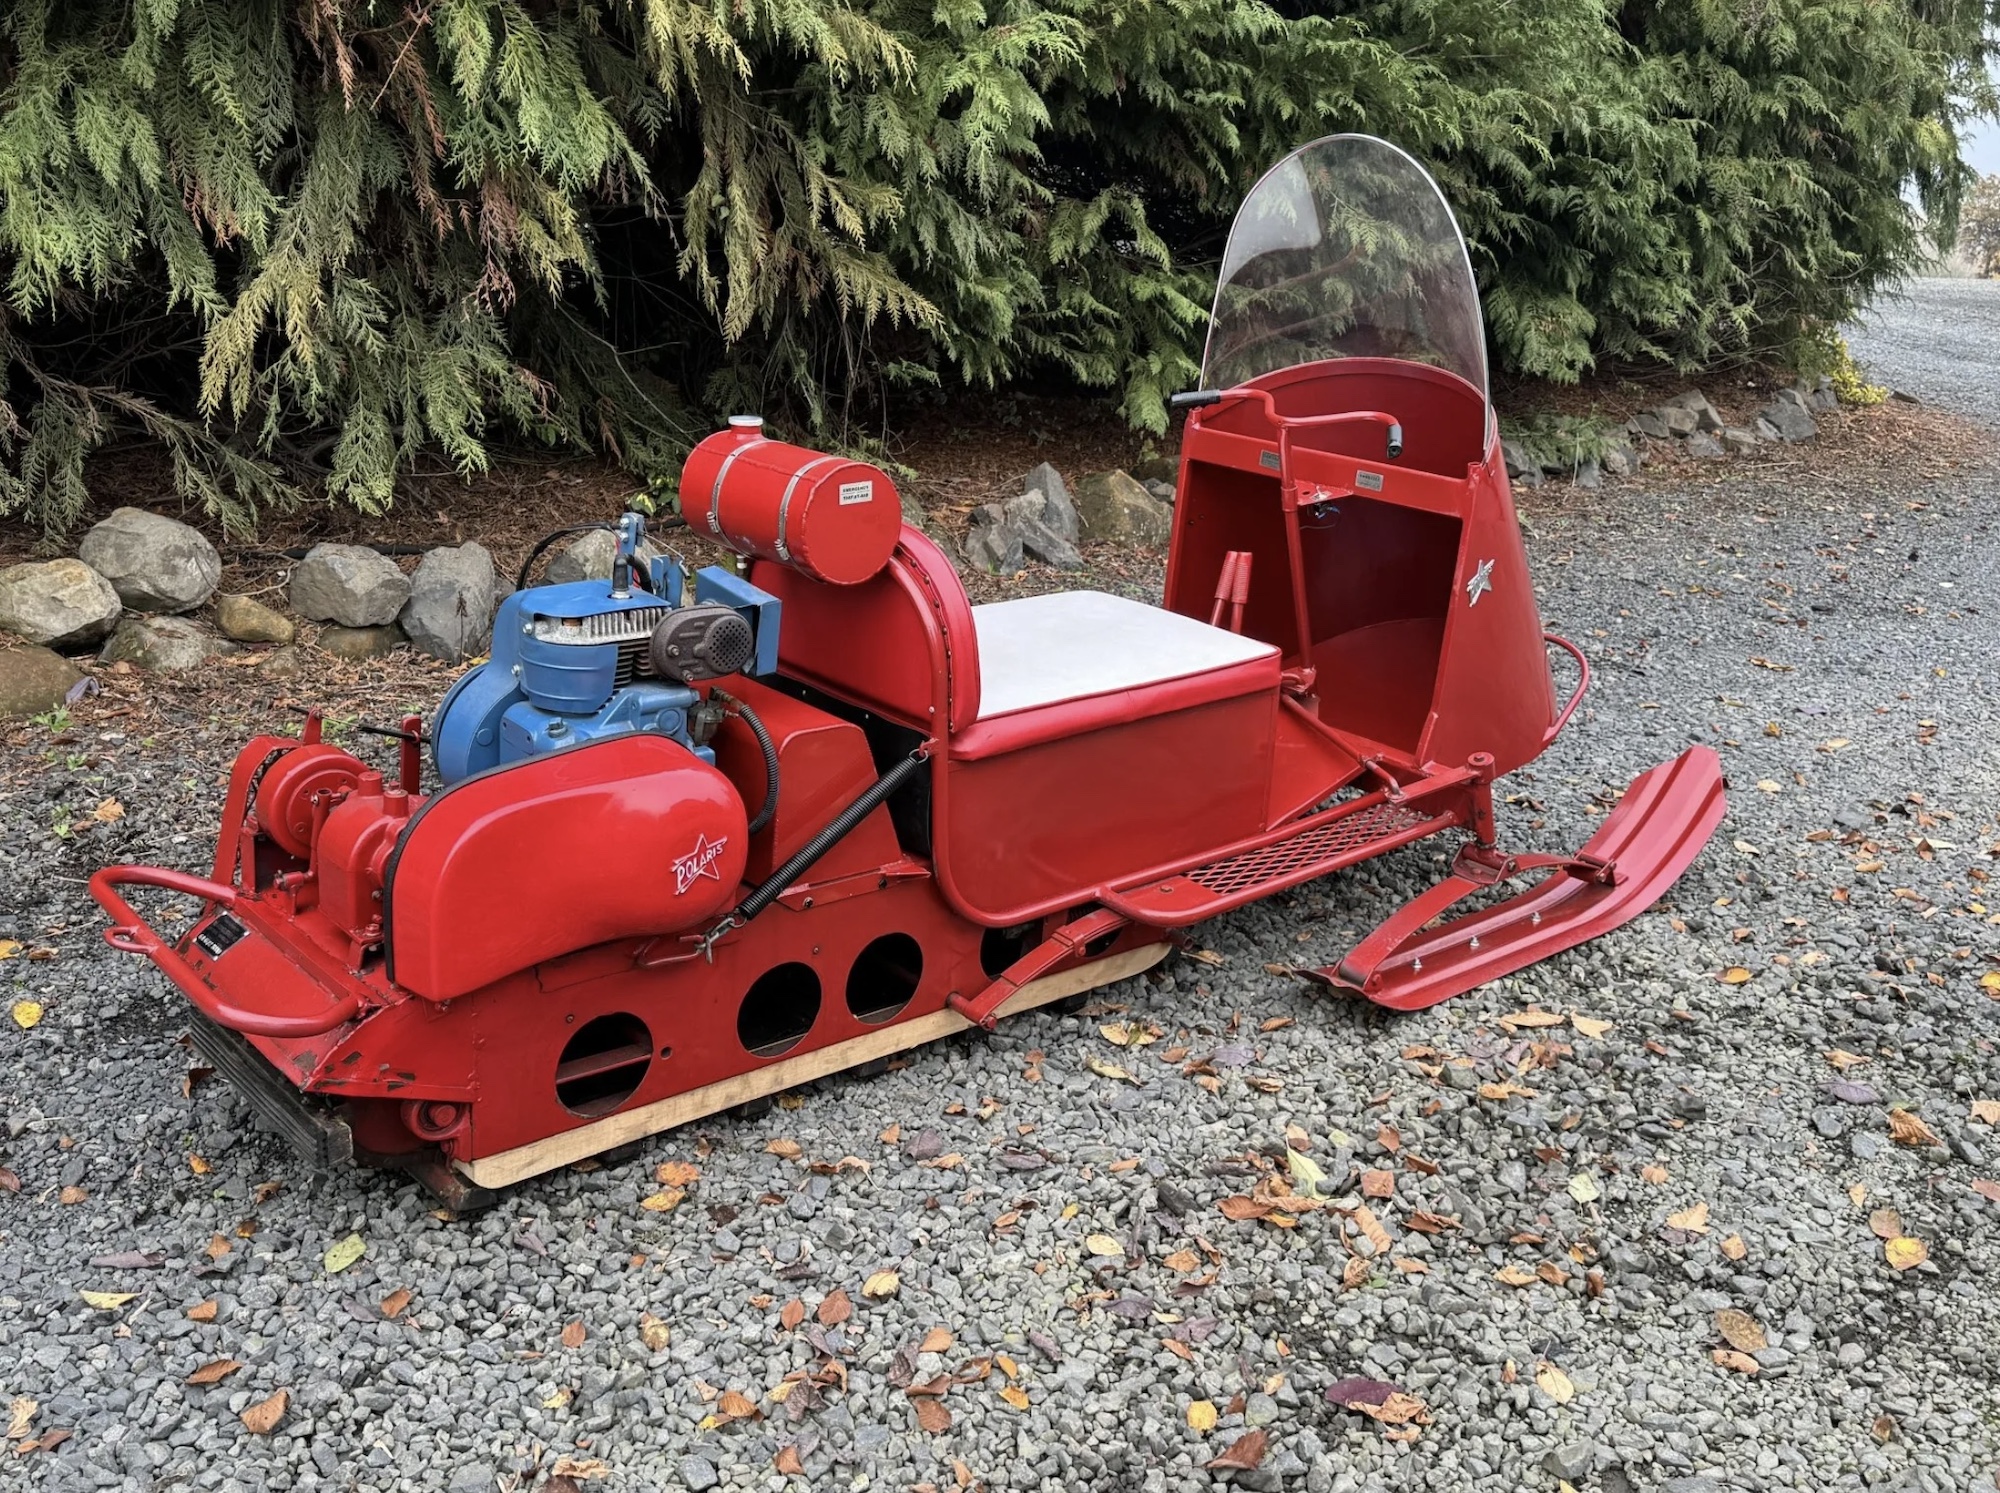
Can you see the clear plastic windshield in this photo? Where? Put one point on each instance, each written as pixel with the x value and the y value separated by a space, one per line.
pixel 1345 249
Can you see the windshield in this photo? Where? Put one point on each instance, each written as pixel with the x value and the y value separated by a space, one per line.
pixel 1345 249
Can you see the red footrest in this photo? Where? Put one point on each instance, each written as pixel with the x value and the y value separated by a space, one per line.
pixel 1297 853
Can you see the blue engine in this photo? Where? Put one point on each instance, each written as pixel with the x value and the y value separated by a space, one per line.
pixel 587 659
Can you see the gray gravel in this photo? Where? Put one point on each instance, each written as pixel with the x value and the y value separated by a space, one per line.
pixel 1836 642
pixel 1938 339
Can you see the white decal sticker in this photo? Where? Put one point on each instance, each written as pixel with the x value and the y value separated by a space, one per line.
pixel 1480 584
pixel 856 492
pixel 1372 481
pixel 699 862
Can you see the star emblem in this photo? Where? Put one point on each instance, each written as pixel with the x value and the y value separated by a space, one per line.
pixel 699 862
pixel 1480 584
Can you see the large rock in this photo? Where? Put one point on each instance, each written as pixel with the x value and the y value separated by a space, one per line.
pixel 1649 423
pixel 155 563
pixel 1738 441
pixel 1059 512
pixel 1788 418
pixel 1004 535
pixel 163 645
pixel 348 584
pixel 450 611
pixel 1112 505
pixel 1677 419
pixel 1701 443
pixel 248 620
pixel 1706 416
pixel 589 558
pixel 59 602
pixel 353 643
pixel 34 680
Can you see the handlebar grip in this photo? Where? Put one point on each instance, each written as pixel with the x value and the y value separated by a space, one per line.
pixel 1189 399
pixel 1395 439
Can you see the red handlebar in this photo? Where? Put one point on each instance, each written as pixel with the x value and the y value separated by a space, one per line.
pixel 1582 684
pixel 131 934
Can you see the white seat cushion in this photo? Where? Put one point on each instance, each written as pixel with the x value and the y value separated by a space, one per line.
pixel 1042 650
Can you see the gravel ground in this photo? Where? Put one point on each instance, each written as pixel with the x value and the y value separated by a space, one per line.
pixel 1830 634
pixel 1928 335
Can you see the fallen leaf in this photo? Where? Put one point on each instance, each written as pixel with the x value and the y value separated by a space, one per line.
pixel 27 1014
pixel 1736 974
pixel 1590 1026
pixel 214 1373
pixel 1015 1396
pixel 1734 1248
pixel 584 1468
pixel 1842 1059
pixel 881 1285
pixel 573 1335
pixel 835 1309
pixel 787 1461
pixel 1378 1183
pixel 736 1405
pixel 1520 1020
pixel 1555 1383
pixel 1201 1416
pixel 1729 1358
pixel 1103 1069
pixel 1883 1429
pixel 1583 1187
pixel 932 1416
pixel 1104 1246
pixel 676 1173
pixel 791 1314
pixel 1307 1175
pixel 1988 1190
pixel 1907 1129
pixel 106 1301
pixel 202 1311
pixel 21 1415
pixel 1986 1111
pixel 1356 1273
pixel 1741 1331
pixel 1885 1223
pixel 654 1333
pixel 70 1196
pixel 1244 1454
pixel 1654 1174
pixel 339 1256
pixel 1508 1090
pixel 789 1149
pixel 1182 1262
pixel 1905 1253
pixel 1690 1220
pixel 10 1180
pixel 1515 1275
pixel 937 1340
pixel 262 1418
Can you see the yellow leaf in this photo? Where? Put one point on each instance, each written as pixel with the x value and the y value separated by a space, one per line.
pixel 1555 1384
pixel 27 1014
pixel 1989 982
pixel 199 1166
pixel 1104 1246
pixel 1590 1026
pixel 1736 975
pixel 559 1399
pixel 345 1253
pixel 881 1285
pixel 1306 1173
pixel 106 1301
pixel 1734 1248
pixel 1690 1220
pixel 1906 1129
pixel 1103 1069
pixel 1515 1275
pixel 1904 1253
pixel 1014 1395
pixel 1201 1416
pixel 663 1202
pixel 10 948
pixel 1986 1110
pixel 22 1415
pixel 676 1173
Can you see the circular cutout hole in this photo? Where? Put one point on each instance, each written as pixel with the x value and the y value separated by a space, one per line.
pixel 603 1064
pixel 778 1010
pixel 884 977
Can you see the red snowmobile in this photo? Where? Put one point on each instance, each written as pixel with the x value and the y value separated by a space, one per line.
pixel 694 839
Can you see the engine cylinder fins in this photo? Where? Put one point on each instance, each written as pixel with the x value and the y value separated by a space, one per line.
pixel 704 641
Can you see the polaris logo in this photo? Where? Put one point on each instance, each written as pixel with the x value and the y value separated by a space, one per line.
pixel 699 862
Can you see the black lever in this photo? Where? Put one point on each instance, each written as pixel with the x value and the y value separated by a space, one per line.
pixel 1190 399
pixel 1395 439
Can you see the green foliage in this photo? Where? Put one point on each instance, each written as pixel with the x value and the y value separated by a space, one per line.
pixel 1564 442
pixel 305 243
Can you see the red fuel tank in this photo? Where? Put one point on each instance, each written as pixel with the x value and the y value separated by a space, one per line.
pixel 833 519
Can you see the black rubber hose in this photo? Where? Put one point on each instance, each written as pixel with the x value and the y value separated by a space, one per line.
pixel 770 759
pixel 521 580
pixel 843 823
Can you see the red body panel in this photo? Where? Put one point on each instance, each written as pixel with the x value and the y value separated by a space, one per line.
pixel 624 837
pixel 830 518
